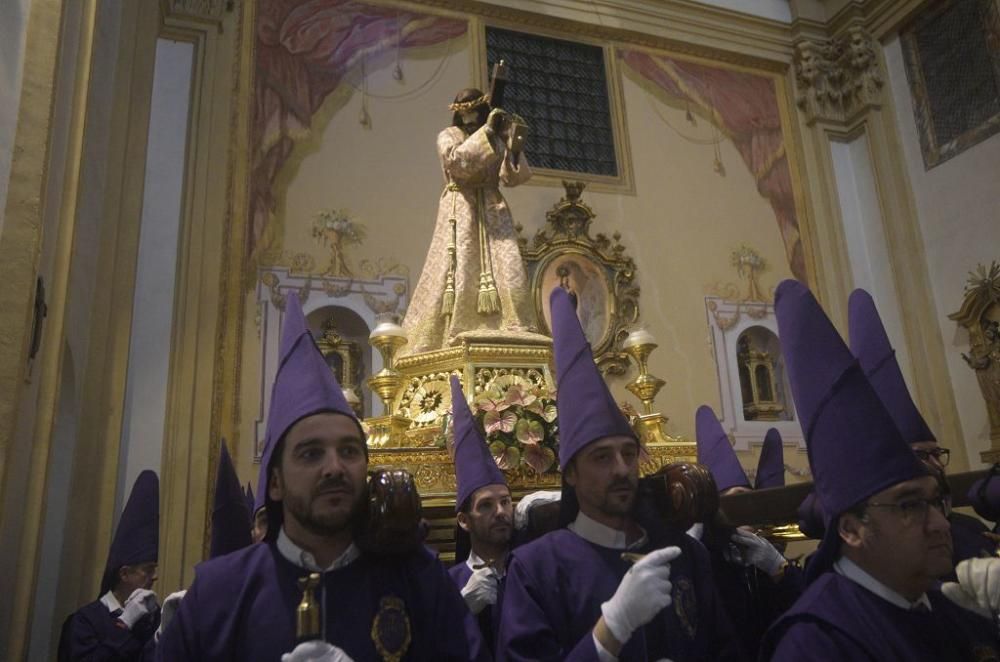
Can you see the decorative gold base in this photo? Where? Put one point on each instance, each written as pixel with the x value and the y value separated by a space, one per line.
pixel 386 431
pixel 424 395
pixel 763 411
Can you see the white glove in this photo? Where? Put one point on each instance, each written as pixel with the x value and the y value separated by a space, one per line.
pixel 167 611
pixel 141 603
pixel 316 651
pixel 696 531
pixel 481 589
pixel 529 501
pixel 643 592
pixel 978 587
pixel 759 552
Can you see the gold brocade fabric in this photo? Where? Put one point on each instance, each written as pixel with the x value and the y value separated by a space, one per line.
pixel 473 168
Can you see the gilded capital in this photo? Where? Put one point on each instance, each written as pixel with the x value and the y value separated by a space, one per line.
pixel 838 78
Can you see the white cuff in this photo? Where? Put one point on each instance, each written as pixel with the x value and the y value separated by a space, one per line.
pixel 602 653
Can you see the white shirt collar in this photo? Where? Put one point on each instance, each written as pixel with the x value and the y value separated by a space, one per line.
pixel 593 531
pixel 304 559
pixel 474 560
pixel 848 568
pixel 110 601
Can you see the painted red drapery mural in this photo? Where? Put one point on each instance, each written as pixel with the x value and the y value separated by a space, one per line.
pixel 303 50
pixel 745 107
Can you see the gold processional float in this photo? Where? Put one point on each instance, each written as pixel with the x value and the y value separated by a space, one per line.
pixel 492 365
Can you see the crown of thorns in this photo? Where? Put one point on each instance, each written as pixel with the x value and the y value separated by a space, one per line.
pixel 461 106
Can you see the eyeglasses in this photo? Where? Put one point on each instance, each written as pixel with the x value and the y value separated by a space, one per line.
pixel 913 511
pixel 941 455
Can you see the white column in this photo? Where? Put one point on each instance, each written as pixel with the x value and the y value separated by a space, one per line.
pixel 153 307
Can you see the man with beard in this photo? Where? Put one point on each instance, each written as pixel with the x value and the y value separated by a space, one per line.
pixel 242 606
pixel 870 344
pixel 473 280
pixel 574 593
pixel 872 594
pixel 485 520
pixel 120 625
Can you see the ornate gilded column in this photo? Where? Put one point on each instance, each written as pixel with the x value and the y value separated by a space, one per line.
pixel 842 98
pixel 838 79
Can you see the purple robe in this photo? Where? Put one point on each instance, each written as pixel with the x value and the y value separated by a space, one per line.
pixel 837 619
pixel 241 607
pixel 487 622
pixel 555 586
pixel 752 600
pixel 91 634
pixel 967 538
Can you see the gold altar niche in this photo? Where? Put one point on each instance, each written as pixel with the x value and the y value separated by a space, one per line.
pixel 415 390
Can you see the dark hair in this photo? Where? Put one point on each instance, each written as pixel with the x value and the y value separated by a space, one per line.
pixel 470 94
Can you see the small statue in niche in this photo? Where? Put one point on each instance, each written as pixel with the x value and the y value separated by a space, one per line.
pixel 758 376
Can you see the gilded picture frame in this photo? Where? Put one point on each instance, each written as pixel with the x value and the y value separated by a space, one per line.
pixel 595 269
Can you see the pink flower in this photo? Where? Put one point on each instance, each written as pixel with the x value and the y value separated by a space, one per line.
pixel 499 421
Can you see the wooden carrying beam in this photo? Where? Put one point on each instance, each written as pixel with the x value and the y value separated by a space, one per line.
pixel 779 505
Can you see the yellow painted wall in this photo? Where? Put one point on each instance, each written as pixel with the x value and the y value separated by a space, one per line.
pixel 680 224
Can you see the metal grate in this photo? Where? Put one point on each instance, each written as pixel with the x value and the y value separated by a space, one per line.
pixel 560 88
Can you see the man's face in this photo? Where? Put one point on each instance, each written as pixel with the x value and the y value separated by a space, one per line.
pixel 605 476
pixel 490 517
pixel 472 119
pixel 901 536
pixel 931 455
pixel 321 480
pixel 132 577
pixel 259 529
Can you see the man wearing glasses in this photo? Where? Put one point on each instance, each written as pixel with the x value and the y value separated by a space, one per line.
pixel 870 344
pixel 872 592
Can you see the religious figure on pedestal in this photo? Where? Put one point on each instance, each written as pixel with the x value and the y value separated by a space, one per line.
pixel 473 281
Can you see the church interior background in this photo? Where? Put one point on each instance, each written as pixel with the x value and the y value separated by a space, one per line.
pixel 170 170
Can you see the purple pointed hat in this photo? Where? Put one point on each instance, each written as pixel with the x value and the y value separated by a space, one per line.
pixel 587 412
pixel 250 499
pixel 870 343
pixel 771 465
pixel 230 517
pixel 984 495
pixel 474 465
pixel 854 448
pixel 137 537
pixel 715 451
pixel 810 514
pixel 304 385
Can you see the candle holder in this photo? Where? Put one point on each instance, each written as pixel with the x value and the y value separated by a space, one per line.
pixel 387 338
pixel 639 345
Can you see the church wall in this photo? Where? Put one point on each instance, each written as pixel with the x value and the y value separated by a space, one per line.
pixel 680 220
pixel 958 213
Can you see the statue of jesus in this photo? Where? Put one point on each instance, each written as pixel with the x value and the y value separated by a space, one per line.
pixel 473 279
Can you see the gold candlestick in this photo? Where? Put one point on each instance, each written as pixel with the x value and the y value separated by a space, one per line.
pixel 639 345
pixel 387 338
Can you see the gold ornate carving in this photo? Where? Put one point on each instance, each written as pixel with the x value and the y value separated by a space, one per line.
pixel 596 269
pixel 980 314
pixel 434 471
pixel 344 358
pixel 839 78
